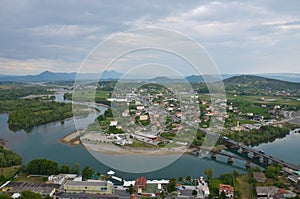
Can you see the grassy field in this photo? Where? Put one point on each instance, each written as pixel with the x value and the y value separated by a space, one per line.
pixel 35 179
pixel 9 172
pixel 243 186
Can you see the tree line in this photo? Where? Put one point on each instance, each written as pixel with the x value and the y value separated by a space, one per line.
pixel 50 167
pixel 263 135
pixel 9 158
pixel 27 113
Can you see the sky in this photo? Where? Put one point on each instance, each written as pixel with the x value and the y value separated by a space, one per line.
pixel 239 36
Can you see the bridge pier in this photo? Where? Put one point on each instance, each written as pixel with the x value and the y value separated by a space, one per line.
pixel 213 155
pixel 248 165
pixel 229 160
pixel 256 156
pixel 266 160
pixel 234 146
pixel 245 151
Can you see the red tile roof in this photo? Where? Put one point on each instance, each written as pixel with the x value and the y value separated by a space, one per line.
pixel 141 181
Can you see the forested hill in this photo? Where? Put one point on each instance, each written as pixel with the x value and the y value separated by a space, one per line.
pixel 252 83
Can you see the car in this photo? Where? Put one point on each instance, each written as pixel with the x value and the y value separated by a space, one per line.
pixel 261 151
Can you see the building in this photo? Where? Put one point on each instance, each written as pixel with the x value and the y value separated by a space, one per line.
pixel 89 187
pixel 266 191
pixel 227 189
pixel 146 136
pixel 140 184
pixel 61 178
pixel 259 177
pixel 144 117
pixel 293 178
pixel 15 188
pixel 86 196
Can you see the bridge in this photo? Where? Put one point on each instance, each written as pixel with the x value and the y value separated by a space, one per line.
pixel 257 154
pixel 213 153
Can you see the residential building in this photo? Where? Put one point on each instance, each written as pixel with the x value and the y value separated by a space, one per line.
pixel 227 189
pixel 259 177
pixel 140 184
pixel 266 191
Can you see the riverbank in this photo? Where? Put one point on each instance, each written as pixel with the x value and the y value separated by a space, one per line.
pixel 72 138
pixel 2 142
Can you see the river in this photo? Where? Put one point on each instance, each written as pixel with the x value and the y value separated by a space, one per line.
pixel 44 142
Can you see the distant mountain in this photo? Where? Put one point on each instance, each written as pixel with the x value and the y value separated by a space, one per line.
pixel 162 79
pixel 290 77
pixel 247 82
pixel 195 78
pixel 48 76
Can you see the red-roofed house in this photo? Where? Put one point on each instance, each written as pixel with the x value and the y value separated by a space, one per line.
pixel 140 184
pixel 227 189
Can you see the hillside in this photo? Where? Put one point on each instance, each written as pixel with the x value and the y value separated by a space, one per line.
pixel 250 84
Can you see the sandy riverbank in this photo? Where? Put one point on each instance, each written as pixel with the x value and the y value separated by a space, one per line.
pixel 72 138
pixel 112 149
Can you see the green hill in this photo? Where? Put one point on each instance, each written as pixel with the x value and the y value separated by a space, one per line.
pixel 251 84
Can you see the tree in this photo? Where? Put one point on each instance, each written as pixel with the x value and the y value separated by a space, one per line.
pixel 4 196
pixel 180 179
pixel 188 178
pixel 223 195
pixel 194 193
pixel 75 168
pixel 235 173
pixel 171 186
pixel 64 169
pixel 42 167
pixel 209 173
pixel 87 172
pixel 130 190
pixel 30 195
pixel 255 169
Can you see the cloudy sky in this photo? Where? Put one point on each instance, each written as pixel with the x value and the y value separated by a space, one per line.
pixel 240 36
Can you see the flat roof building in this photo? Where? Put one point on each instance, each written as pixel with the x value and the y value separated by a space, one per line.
pixel 90 187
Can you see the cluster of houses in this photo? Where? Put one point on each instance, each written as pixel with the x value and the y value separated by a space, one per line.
pixel 263 191
pixel 67 186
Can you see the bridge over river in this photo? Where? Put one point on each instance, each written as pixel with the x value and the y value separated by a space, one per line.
pixel 257 154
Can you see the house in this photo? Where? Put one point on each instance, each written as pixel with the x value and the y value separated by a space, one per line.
pixel 144 117
pixel 283 193
pixel 113 123
pixel 140 184
pixel 266 191
pixel 293 178
pixel 178 114
pixel 227 189
pixel 258 118
pixel 259 177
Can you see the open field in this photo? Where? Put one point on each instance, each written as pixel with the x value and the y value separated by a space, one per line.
pixel 34 179
pixel 243 186
pixel 9 172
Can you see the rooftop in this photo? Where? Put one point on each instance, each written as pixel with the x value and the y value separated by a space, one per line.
pixel 86 183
